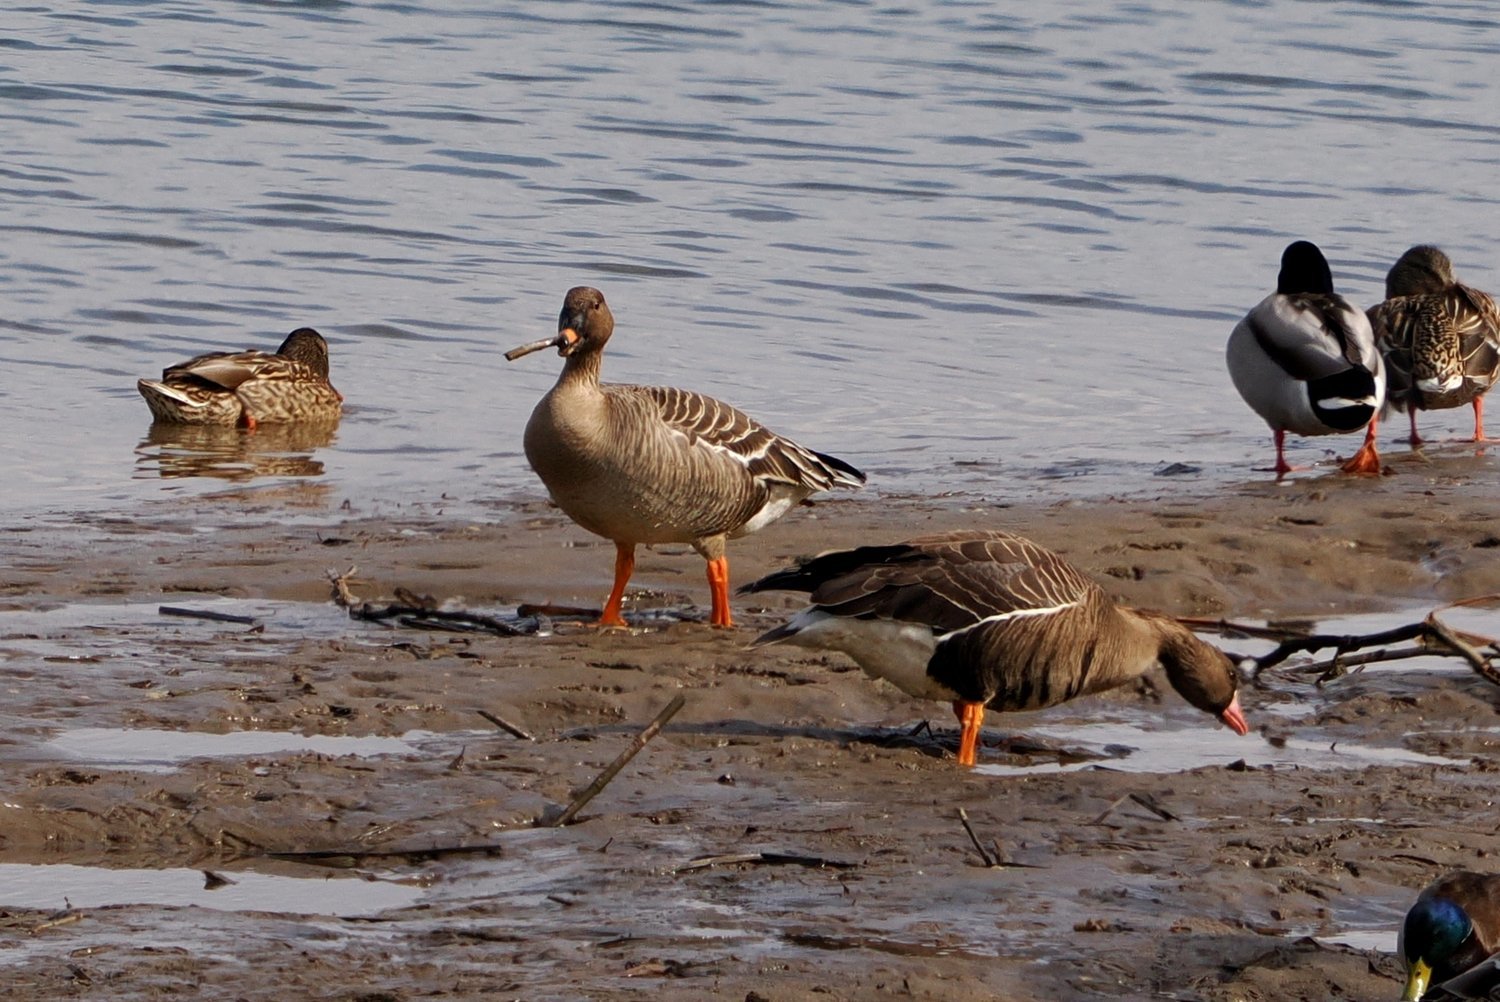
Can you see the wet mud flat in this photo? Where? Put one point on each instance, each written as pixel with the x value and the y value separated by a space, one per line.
pixel 308 806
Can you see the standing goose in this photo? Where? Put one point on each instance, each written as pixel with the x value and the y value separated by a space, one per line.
pixel 1441 339
pixel 990 619
pixel 1453 926
pixel 655 464
pixel 1306 361
pixel 248 388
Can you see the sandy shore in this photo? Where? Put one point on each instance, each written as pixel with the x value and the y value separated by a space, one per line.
pixel 1240 892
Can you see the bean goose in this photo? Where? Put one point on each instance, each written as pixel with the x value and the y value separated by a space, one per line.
pixel 248 388
pixel 990 619
pixel 1453 926
pixel 1440 338
pixel 1306 361
pixel 655 464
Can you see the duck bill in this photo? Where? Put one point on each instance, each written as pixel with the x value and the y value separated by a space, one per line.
pixel 563 342
pixel 1417 976
pixel 1234 718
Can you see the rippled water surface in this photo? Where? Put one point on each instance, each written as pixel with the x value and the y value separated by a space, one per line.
pixel 975 247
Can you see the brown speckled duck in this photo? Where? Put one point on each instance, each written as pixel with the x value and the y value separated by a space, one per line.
pixel 988 619
pixel 1440 338
pixel 249 388
pixel 656 464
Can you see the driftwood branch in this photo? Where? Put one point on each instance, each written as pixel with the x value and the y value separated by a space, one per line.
pixel 417 611
pixel 1433 637
pixel 610 771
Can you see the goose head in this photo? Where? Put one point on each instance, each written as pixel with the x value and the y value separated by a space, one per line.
pixel 583 326
pixel 1201 673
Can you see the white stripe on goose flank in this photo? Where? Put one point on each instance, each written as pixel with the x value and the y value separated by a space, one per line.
pixel 1001 617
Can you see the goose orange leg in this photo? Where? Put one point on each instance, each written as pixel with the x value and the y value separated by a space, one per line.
pixel 1366 461
pixel 718 589
pixel 624 567
pixel 971 719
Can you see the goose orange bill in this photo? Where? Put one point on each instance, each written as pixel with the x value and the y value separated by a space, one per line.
pixel 561 341
pixel 1234 718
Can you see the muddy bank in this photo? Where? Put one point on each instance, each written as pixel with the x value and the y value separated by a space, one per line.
pixel 1279 871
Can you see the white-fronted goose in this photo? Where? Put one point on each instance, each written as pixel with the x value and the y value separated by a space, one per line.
pixel 990 619
pixel 249 388
pixel 1306 361
pixel 655 464
pixel 1453 926
pixel 1440 338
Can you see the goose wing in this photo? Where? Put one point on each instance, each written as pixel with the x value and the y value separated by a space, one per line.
pixel 950 582
pixel 768 457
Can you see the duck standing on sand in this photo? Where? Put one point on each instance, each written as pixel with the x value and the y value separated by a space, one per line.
pixel 655 464
pixel 1440 338
pixel 1453 926
pixel 1306 362
pixel 249 388
pixel 988 619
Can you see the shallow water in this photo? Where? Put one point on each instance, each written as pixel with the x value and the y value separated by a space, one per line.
pixel 991 250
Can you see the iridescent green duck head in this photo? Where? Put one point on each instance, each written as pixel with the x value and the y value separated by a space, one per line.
pixel 1437 943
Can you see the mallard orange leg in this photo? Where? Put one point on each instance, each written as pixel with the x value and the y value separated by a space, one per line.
pixel 970 719
pixel 1416 439
pixel 1282 467
pixel 1366 461
pixel 718 589
pixel 624 567
pixel 1479 420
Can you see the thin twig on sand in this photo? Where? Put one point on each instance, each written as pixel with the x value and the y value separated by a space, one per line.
pixel 1143 799
pixel 984 854
pixel 766 858
pixel 416 611
pixel 505 725
pixel 214 617
pixel 610 771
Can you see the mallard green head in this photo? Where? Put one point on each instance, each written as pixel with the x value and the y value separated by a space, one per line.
pixel 1435 932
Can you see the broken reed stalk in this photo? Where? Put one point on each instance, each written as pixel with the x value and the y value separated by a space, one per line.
pixel 418 612
pixel 610 771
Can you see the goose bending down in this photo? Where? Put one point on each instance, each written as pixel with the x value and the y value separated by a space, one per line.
pixel 248 388
pixel 1306 362
pixel 1440 338
pixel 656 464
pixel 988 619
pixel 1453 926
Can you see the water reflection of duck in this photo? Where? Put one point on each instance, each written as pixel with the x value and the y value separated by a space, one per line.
pixel 1453 926
pixel 248 388
pixel 655 464
pixel 228 453
pixel 991 619
pixel 1306 362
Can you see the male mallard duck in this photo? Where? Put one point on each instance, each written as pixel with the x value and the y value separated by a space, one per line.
pixel 990 619
pixel 655 464
pixel 1441 339
pixel 1454 925
pixel 248 388
pixel 1306 361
